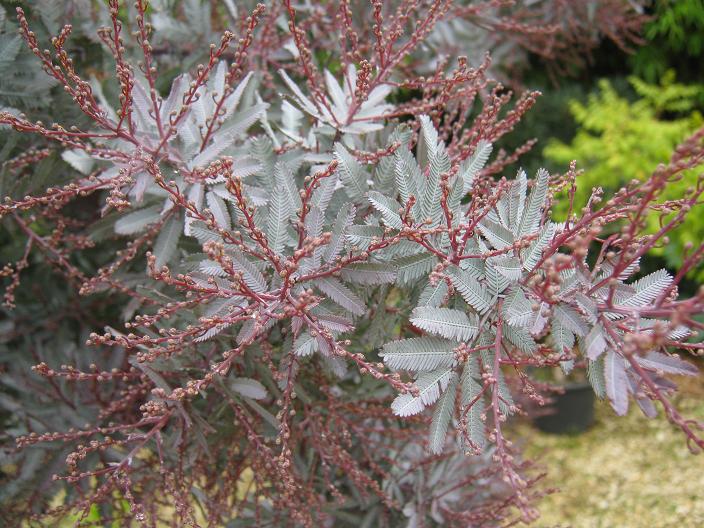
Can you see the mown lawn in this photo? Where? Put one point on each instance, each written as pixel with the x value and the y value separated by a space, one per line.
pixel 627 472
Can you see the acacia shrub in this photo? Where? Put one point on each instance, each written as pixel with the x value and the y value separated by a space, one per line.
pixel 269 271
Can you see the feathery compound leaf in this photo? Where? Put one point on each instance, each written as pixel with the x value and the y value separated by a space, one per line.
pixel 595 375
pixel 496 283
pixel 474 164
pixel 595 342
pixel 517 309
pixel 433 295
pixel 334 323
pixel 445 322
pixel 286 185
pixel 536 202
pixel 301 99
pixel 411 268
pixel 313 229
pixel 387 207
pixel 341 294
pixel 363 236
pixel 509 267
pixel 571 319
pixel 471 395
pixel 588 307
pixel 430 385
pixel 419 353
pixel 430 135
pixel 562 337
pixel 519 337
pixel 517 200
pixel 279 211
pixel 262 150
pixel 195 196
pixel 532 254
pixel 470 289
pixel 202 233
pixel 167 241
pixel 337 241
pixel 218 207
pixel 369 273
pixel 503 210
pixel 408 176
pixel 323 193
pixel 660 362
pixel 136 221
pixel 251 327
pixel 249 387
pixel 341 106
pixel 211 268
pixel 305 345
pixel 211 332
pixel 677 333
pixel 352 174
pixel 223 306
pixel 649 288
pixel 607 268
pixel 442 416
pixel 497 235
pixel 616 382
pixel 251 276
pixel 439 164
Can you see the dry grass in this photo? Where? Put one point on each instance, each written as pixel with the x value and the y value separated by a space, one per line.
pixel 627 472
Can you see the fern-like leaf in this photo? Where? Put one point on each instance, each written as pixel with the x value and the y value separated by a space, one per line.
pixel 419 353
pixel 251 276
pixel 536 202
pixel 517 309
pixel 616 382
pixel 470 289
pixel 472 396
pixel 352 174
pixel 341 294
pixel 497 235
pixel 218 207
pixel 445 322
pixel 369 273
pixel 166 243
pixel 532 254
pixel 509 267
pixel 387 207
pixel 279 210
pixel 595 375
pixel 413 267
pixel 649 288
pixel 362 236
pixel 594 342
pixel 430 385
pixel 337 240
pixel 408 176
pixel 474 164
pixel 571 319
pixel 442 416
pixel 433 295
pixel 137 221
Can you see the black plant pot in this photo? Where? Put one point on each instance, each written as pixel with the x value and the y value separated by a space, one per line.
pixel 571 412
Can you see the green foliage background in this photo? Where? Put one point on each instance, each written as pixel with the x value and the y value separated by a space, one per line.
pixel 626 113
